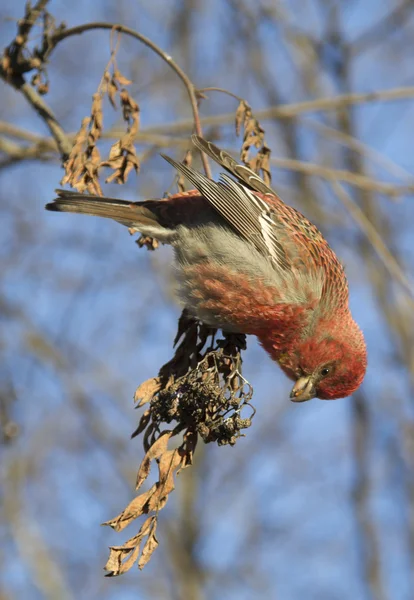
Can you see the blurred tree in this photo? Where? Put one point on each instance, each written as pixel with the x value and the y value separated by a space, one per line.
pixel 317 501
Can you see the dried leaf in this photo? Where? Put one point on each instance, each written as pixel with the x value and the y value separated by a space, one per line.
pixel 156 450
pixel 119 78
pixel 240 115
pixel 150 546
pixel 188 159
pixel 189 445
pixel 145 419
pixel 167 464
pixel 122 558
pixel 116 150
pixel 204 394
pixel 96 119
pixel 145 392
pixel 263 164
pixel 137 507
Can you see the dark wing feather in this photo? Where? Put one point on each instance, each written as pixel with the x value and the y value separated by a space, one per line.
pixel 241 172
pixel 250 216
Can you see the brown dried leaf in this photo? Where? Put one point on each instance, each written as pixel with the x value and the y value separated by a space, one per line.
pixel 143 422
pixel 264 164
pixel 121 558
pixel 74 166
pixel 150 545
pixel 119 78
pixel 106 78
pixel 156 450
pixel 146 391
pixel 112 91
pixel 130 112
pixel 188 160
pixel 137 507
pixel 122 159
pixel 96 119
pixel 169 461
pixel 240 115
pixel 189 445
pixel 204 394
pixel 115 151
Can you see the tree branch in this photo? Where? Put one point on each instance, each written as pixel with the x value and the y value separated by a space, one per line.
pixel 61 35
pixel 289 111
pixel 11 67
pixel 374 238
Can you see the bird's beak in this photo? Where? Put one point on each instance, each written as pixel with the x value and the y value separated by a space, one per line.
pixel 303 389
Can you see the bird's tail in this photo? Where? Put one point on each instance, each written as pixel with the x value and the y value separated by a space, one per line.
pixel 132 214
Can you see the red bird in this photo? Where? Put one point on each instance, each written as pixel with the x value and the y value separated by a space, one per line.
pixel 248 263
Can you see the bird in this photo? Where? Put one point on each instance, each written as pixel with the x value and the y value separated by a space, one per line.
pixel 246 262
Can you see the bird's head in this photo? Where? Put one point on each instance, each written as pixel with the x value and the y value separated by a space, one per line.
pixel 327 366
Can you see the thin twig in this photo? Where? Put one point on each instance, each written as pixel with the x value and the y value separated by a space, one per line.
pixel 222 91
pixel 374 238
pixel 289 111
pixel 361 181
pixel 12 76
pixel 43 145
pixel 46 113
pixel 376 33
pixel 351 142
pixel 280 112
pixel 22 134
pixel 196 122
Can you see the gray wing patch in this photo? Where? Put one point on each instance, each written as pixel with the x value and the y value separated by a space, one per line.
pixel 265 226
pixel 248 214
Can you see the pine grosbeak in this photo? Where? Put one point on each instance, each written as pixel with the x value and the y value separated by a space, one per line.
pixel 248 263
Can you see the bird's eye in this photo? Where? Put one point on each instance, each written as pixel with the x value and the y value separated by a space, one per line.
pixel 325 372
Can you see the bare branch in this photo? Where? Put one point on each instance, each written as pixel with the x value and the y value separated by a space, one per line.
pixel 46 114
pixel 374 238
pixel 11 68
pixel 61 35
pixel 377 32
pixel 288 111
pixel 356 179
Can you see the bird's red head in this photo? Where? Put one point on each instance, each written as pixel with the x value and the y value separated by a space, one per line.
pixel 327 365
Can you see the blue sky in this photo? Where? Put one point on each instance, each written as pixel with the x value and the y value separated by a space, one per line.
pixel 108 312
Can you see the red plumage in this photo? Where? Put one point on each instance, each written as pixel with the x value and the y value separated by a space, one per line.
pixel 249 263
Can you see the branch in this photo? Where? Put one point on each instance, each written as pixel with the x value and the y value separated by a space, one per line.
pixel 61 35
pixel 22 134
pixel 11 72
pixel 11 66
pixel 284 111
pixel 376 34
pixel 40 149
pixel 43 110
pixel 16 153
pixel 352 142
pixel 289 111
pixel 355 179
pixel 374 238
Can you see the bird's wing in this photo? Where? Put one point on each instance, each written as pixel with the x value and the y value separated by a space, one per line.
pixel 244 210
pixel 290 237
pixel 242 173
pixel 278 231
